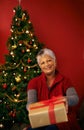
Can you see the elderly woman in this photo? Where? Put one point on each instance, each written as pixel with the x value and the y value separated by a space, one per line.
pixel 51 83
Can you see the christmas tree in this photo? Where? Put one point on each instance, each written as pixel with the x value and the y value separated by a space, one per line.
pixel 19 68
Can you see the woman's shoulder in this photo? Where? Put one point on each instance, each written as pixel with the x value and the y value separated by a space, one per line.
pixel 33 83
pixel 35 79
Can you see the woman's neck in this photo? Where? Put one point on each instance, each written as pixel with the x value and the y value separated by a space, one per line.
pixel 50 79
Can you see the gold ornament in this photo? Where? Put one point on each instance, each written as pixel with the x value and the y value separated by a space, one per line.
pixel 34 45
pixel 36 48
pixel 23 16
pixel 14 46
pixel 18 79
pixel 15 100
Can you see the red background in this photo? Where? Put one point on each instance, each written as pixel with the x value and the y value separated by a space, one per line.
pixel 59 25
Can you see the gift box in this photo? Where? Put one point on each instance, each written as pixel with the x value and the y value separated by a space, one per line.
pixel 47 112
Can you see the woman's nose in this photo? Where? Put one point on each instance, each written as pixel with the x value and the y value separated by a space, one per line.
pixel 46 64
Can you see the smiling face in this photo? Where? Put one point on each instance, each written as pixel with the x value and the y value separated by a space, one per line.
pixel 47 64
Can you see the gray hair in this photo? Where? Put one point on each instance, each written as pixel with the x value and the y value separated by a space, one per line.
pixel 45 51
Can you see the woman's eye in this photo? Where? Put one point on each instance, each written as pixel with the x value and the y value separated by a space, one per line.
pixel 48 60
pixel 42 63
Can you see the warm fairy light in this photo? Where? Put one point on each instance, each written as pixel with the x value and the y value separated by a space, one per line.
pixel 14 10
pixel 28 50
pixel 29 22
pixel 11 30
pixel 27 31
pixel 15 100
pixel 1 126
pixel 32 40
pixel 12 38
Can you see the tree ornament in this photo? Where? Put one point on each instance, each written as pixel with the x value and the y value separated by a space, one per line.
pixel 15 100
pixel 30 42
pixel 10 113
pixel 13 114
pixel 23 16
pixel 13 88
pixel 4 85
pixel 25 69
pixel 23 50
pixel 34 45
pixel 31 34
pixel 29 60
pixel 18 79
pixel 14 46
